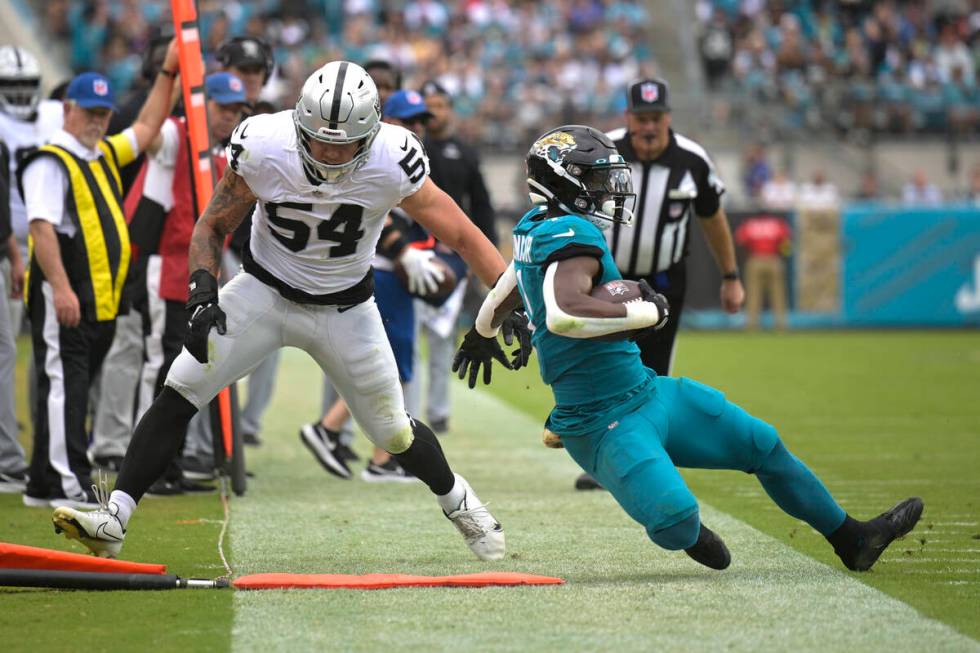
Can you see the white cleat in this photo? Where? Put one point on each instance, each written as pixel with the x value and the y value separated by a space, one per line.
pixel 483 533
pixel 99 530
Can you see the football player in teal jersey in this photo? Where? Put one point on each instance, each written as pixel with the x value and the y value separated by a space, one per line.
pixel 628 427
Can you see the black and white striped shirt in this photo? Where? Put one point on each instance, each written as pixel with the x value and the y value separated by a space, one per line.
pixel 681 181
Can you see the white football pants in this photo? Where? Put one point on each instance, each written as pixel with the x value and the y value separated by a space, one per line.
pixel 348 343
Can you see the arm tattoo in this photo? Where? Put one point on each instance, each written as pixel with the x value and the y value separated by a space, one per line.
pixel 231 202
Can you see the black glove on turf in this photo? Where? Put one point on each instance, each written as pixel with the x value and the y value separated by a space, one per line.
pixel 202 304
pixel 516 325
pixel 476 351
pixel 663 307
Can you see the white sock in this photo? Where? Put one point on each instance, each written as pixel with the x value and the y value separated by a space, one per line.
pixel 455 497
pixel 125 506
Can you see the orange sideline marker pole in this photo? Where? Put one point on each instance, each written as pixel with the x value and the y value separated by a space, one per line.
pixel 18 556
pixel 195 108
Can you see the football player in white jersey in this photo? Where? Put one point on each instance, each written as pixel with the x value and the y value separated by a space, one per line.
pixel 322 177
pixel 25 123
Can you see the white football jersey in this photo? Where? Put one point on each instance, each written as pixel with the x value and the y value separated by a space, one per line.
pixel 22 138
pixel 320 237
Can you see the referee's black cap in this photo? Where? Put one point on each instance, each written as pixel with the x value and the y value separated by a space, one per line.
pixel 648 94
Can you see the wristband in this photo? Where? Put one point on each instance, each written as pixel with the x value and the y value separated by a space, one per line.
pixel 396 247
pixel 730 276
pixel 168 73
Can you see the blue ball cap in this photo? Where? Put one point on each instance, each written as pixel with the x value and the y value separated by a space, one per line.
pixel 91 90
pixel 404 105
pixel 225 88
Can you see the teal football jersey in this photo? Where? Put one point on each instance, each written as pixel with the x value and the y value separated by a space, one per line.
pixel 579 370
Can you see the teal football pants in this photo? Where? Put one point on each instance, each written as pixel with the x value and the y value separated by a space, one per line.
pixel 687 424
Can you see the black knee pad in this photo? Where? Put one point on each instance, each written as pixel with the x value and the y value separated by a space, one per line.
pixel 171 402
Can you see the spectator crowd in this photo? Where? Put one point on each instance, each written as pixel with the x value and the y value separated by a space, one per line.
pixel 896 66
pixel 512 66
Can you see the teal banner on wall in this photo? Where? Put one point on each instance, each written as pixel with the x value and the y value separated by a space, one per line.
pixel 908 267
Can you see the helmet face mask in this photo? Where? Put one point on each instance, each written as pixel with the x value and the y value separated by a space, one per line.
pixel 20 82
pixel 338 105
pixel 577 169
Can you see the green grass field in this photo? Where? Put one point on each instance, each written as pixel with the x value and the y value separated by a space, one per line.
pixel 879 416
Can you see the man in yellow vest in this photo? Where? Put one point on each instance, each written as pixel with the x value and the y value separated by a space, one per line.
pixel 79 256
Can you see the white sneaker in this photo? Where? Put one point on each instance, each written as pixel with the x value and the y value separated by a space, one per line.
pixel 99 530
pixel 13 482
pixel 483 533
pixel 387 472
pixel 84 501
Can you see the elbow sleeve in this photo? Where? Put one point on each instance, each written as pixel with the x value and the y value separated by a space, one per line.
pixel 639 315
pixel 500 291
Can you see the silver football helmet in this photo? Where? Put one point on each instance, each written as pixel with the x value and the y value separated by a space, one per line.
pixel 20 82
pixel 338 104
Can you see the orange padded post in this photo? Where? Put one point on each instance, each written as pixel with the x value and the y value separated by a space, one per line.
pixel 388 581
pixel 18 556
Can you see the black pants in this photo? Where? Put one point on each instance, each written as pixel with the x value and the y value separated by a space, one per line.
pixel 657 349
pixel 164 338
pixel 67 360
pixel 164 328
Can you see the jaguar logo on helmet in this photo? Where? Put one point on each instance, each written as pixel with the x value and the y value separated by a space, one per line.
pixel 554 146
pixel 576 169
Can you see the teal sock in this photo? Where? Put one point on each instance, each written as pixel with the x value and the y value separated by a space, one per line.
pixel 798 491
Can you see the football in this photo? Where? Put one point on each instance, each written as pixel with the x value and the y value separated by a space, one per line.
pixel 618 291
pixel 446 286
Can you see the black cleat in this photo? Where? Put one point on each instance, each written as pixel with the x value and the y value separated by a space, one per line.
pixel 344 452
pixel 586 482
pixel 860 544
pixel 709 550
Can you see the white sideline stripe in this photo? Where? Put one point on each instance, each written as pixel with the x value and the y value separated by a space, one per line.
pixel 55 406
pixel 771 598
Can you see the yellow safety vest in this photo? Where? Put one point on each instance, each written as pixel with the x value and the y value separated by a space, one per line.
pixel 96 258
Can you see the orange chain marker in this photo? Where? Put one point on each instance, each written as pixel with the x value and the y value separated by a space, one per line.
pixel 195 101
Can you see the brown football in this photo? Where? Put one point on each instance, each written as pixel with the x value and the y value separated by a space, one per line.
pixel 446 287
pixel 618 291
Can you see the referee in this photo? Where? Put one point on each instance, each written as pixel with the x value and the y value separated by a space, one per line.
pixel 674 180
pixel 79 257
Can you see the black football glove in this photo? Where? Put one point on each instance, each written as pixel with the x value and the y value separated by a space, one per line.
pixel 202 304
pixel 663 307
pixel 515 325
pixel 476 351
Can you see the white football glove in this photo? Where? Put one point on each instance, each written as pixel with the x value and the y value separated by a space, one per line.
pixel 423 275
